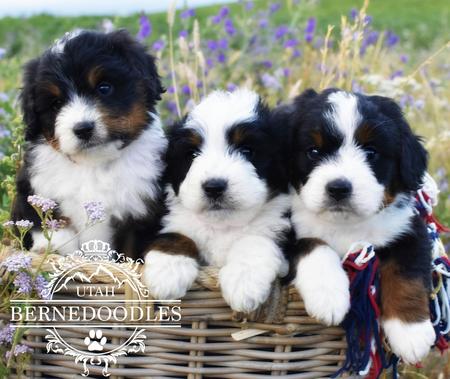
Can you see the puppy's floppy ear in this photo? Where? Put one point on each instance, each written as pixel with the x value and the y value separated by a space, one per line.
pixel 302 99
pixel 27 98
pixel 413 158
pixel 141 61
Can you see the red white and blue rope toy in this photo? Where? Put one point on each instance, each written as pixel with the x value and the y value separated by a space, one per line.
pixel 367 353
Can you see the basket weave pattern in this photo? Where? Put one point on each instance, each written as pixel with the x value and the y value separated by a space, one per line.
pixel 282 341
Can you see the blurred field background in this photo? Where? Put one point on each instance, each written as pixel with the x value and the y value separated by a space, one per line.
pixel 393 48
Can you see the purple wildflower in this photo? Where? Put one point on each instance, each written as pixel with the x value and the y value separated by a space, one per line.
pixel 24 224
pixel 158 45
pixel 249 5
pixel 263 23
pixel 186 90
pixel 222 43
pixel 145 27
pixel 404 58
pixel 23 283
pixel 231 87
pixel 267 63
pixel 54 225
pixel 172 107
pixel 212 45
pixel 184 33
pixel 210 62
pixel 95 212
pixel 16 262
pixel 22 349
pixel 8 224
pixel 296 53
pixel 368 20
pixel 270 81
pixel 290 43
pixel 7 334
pixel 310 29
pixel 281 31
pixel 221 58
pixel 229 27
pixel 391 39
pixel 41 203
pixel 40 286
pixel 171 90
pixel 224 12
pixel 396 74
pixel 187 13
pixel 216 19
pixel 2 52
pixel 353 13
pixel 274 7
pixel 286 72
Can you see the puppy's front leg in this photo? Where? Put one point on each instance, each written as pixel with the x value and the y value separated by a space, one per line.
pixel 252 265
pixel 171 266
pixel 405 312
pixel 321 281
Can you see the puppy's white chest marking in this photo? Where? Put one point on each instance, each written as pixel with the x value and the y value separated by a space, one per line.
pixel 215 237
pixel 122 185
pixel 379 230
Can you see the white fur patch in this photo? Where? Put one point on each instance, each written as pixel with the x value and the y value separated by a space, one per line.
pixel 323 285
pixel 123 185
pixel 252 265
pixel 168 276
pixel 64 240
pixel 410 341
pixel 79 109
pixel 345 115
pixel 340 233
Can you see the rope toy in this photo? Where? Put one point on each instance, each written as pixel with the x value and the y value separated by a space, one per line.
pixel 367 354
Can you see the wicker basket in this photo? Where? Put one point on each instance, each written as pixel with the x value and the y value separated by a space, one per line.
pixel 282 341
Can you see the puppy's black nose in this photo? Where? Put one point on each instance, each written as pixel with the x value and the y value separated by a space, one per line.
pixel 84 130
pixel 214 188
pixel 339 189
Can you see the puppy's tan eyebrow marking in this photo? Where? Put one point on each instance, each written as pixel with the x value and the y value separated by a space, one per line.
pixel 94 76
pixel 52 88
pixel 318 138
pixel 194 138
pixel 364 134
pixel 237 136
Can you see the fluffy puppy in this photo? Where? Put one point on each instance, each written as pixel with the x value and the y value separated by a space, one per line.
pixel 356 167
pixel 226 198
pixel 93 135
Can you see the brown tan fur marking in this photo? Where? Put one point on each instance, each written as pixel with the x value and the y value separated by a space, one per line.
pixel 402 298
pixel 175 244
pixel 364 134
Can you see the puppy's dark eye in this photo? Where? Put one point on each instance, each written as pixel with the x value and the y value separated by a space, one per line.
pixel 193 153
pixel 104 88
pixel 247 152
pixel 313 153
pixel 371 153
pixel 56 104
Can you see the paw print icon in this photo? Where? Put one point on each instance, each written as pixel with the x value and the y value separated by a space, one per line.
pixel 95 341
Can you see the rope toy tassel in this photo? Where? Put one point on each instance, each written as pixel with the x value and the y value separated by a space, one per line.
pixel 365 353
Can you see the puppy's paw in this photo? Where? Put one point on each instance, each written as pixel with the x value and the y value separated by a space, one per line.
pixel 323 285
pixel 64 242
pixel 411 341
pixel 169 276
pixel 245 288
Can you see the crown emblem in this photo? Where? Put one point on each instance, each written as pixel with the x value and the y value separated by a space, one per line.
pixel 96 250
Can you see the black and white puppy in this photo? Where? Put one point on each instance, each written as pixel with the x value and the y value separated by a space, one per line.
pixel 227 201
pixel 356 167
pixel 93 135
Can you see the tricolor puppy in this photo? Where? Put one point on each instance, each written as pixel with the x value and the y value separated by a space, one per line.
pixel 227 202
pixel 93 135
pixel 356 167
